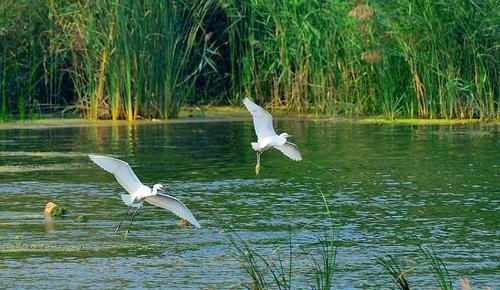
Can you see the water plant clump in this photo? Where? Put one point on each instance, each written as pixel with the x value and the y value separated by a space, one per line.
pixel 81 219
pixel 59 212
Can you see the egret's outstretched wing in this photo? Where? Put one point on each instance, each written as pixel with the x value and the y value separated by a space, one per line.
pixel 122 171
pixel 174 205
pixel 262 120
pixel 290 150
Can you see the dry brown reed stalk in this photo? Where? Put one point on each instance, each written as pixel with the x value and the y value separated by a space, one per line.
pixel 465 284
pixel 364 28
pixel 420 92
pixel 371 56
pixel 362 12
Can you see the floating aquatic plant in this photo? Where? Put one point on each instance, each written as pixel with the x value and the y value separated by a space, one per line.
pixel 81 219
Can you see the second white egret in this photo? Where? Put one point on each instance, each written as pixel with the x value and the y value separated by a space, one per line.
pixel 138 192
pixel 267 137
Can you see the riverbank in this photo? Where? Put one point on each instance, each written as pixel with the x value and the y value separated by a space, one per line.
pixel 220 114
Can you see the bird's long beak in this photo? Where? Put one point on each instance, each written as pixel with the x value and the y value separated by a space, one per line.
pixel 289 136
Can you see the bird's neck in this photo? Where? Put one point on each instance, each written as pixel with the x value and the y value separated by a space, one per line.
pixel 155 190
pixel 282 139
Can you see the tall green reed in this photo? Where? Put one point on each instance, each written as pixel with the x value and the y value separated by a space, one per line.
pixel 431 59
pixel 130 60
pixel 33 76
pixel 397 274
pixel 133 59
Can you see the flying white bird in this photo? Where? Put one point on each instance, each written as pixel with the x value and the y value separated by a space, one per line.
pixel 267 137
pixel 138 193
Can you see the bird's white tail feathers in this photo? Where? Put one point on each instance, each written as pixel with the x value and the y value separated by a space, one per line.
pixel 127 199
pixel 255 146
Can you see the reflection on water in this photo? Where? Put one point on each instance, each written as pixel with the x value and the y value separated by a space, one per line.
pixel 383 182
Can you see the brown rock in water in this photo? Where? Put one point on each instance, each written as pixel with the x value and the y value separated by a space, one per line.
pixel 49 208
pixel 54 210
pixel 185 223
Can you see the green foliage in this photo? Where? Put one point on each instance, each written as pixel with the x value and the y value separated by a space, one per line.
pixel 325 265
pixel 133 59
pixel 406 58
pixel 32 65
pixel 437 266
pixel 145 59
pixel 256 266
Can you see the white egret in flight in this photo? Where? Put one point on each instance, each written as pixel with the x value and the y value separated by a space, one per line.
pixel 138 193
pixel 267 137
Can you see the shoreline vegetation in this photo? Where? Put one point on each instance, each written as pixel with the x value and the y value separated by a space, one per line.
pixel 429 59
pixel 220 114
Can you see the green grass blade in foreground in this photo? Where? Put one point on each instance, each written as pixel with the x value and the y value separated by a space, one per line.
pixel 324 269
pixel 247 260
pixel 394 269
pixel 265 273
pixel 437 266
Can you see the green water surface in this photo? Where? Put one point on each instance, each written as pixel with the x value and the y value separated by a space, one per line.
pixel 384 183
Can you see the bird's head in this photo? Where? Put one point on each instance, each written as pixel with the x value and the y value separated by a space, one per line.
pixel 157 187
pixel 285 135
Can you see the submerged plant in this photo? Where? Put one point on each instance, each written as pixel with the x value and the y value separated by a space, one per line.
pixel 54 210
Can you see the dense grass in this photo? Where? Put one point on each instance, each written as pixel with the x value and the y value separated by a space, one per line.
pixel 132 60
pixel 32 74
pixel 431 59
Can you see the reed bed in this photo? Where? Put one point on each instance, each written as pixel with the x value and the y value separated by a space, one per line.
pixel 133 59
pixel 406 58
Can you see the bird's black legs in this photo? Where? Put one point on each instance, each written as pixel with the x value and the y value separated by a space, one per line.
pixel 130 225
pixel 126 214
